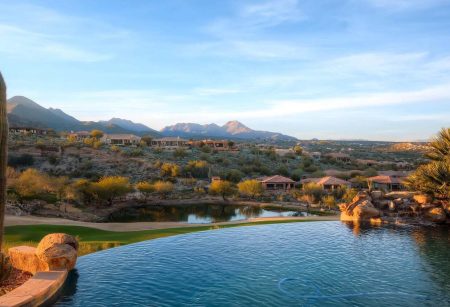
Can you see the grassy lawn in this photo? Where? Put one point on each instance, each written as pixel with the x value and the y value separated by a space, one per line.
pixel 93 240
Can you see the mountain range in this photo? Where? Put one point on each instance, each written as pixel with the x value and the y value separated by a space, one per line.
pixel 232 129
pixel 25 112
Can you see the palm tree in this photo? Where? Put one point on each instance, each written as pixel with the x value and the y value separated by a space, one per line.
pixel 3 154
pixel 434 177
pixel 440 146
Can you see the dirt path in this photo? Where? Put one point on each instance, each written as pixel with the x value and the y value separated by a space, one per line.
pixel 11 220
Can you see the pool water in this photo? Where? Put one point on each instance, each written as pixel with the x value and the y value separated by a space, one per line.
pixel 198 214
pixel 295 264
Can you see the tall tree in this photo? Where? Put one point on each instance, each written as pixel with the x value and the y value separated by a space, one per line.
pixel 3 154
pixel 434 177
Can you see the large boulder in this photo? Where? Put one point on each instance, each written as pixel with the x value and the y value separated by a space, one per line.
pixel 54 252
pixel 399 194
pixel 361 210
pixel 56 238
pixel 25 259
pixel 436 215
pixel 422 199
pixel 365 211
pixel 376 195
pixel 362 195
pixel 58 257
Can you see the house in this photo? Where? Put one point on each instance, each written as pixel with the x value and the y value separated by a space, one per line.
pixel 328 183
pixel 284 151
pixel 28 130
pixel 339 156
pixel 169 143
pixel 277 183
pixel 80 135
pixel 219 145
pixel 386 183
pixel 121 139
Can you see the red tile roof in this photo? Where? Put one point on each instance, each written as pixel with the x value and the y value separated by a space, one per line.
pixel 385 179
pixel 276 179
pixel 328 180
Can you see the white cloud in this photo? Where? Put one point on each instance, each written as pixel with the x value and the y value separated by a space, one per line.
pixel 242 33
pixel 36 32
pixel 20 42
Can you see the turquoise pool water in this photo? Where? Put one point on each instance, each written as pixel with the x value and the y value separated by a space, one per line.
pixel 297 264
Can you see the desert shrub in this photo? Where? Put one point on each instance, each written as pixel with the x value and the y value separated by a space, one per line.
pixel 135 152
pixel 205 157
pixel 234 175
pixel 349 195
pixel 158 150
pixel 163 188
pixel 205 149
pixel 32 184
pixel 110 187
pixel 298 150
pixel 283 171
pixel 146 188
pixel 313 192
pixel 251 188
pixel 370 172
pixel 197 169
pixel 223 188
pixel 83 191
pixel 318 174
pixel 297 174
pixel 329 201
pixel 179 153
pixel 339 192
pixel 170 170
pixel 96 134
pixel 115 148
pixel 360 182
pixel 271 154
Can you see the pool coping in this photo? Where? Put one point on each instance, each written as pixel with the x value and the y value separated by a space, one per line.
pixel 39 290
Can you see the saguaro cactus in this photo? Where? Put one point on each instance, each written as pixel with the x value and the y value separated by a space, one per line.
pixel 3 154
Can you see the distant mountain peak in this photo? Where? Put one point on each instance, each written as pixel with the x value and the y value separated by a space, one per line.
pixel 23 101
pixel 236 127
pixel 232 129
pixel 23 111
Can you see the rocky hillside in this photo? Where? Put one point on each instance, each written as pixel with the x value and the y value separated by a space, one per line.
pixel 232 129
pixel 25 112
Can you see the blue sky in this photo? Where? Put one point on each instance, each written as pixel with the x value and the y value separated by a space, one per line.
pixel 331 69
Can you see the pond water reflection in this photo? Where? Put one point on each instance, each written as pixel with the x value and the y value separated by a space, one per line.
pixel 198 214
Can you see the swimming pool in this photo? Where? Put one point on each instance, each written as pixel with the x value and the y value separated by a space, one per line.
pixel 314 264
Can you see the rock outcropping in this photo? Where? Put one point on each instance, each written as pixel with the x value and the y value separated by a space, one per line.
pixel 360 209
pixel 395 207
pixel 56 251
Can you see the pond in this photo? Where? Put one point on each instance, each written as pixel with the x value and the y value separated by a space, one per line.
pixel 198 214
pixel 295 264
